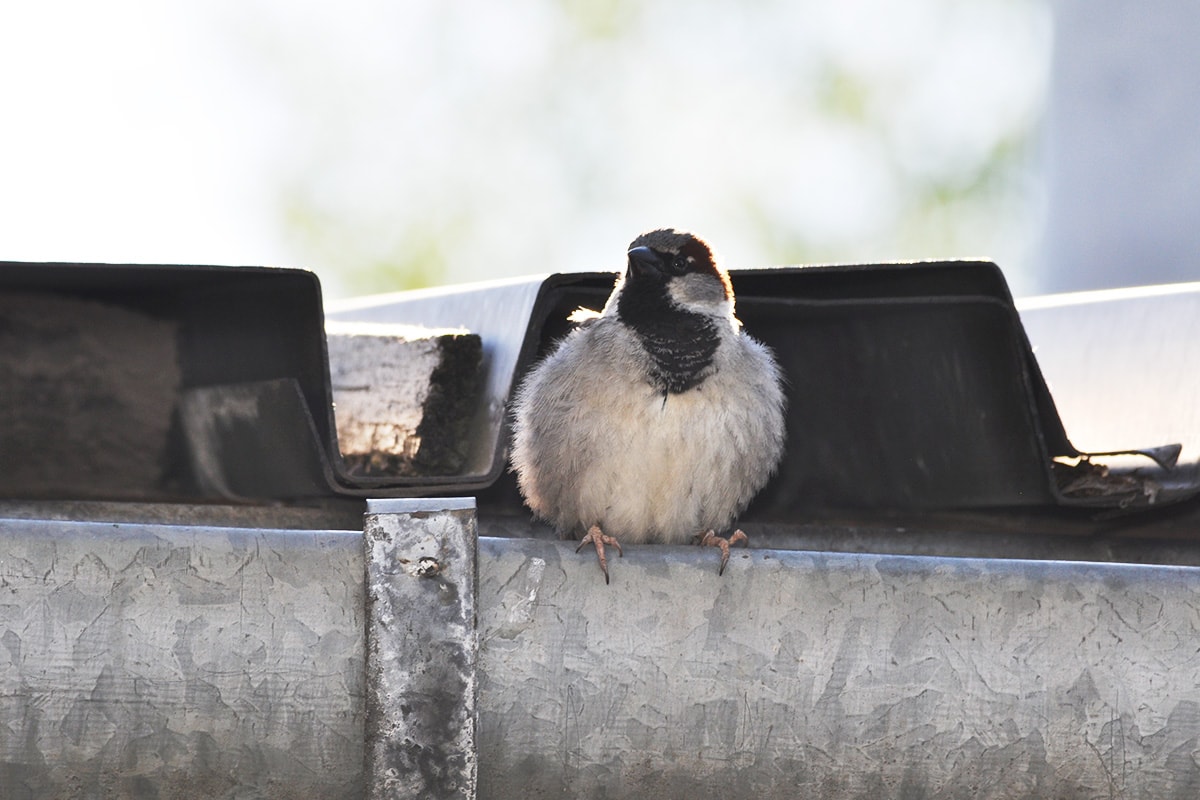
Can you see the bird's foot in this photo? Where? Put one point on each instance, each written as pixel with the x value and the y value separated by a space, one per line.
pixel 710 539
pixel 599 539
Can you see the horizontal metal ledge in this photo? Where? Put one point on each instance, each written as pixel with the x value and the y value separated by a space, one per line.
pixel 142 661
pixel 413 505
pixel 163 656
pixel 814 674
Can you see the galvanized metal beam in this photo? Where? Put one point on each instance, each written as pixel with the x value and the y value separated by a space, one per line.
pixel 153 661
pixel 834 676
pixel 141 661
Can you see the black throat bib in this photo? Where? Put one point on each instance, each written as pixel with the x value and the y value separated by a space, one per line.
pixel 681 344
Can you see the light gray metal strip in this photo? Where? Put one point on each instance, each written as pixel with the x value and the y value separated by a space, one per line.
pixel 413 505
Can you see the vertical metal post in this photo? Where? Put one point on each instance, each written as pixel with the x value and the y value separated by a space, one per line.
pixel 421 715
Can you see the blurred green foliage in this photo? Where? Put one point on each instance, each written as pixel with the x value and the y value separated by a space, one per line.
pixel 447 144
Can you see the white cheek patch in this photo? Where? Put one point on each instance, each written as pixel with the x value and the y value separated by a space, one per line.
pixel 700 293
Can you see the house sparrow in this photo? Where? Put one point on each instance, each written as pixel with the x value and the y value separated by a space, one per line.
pixel 656 420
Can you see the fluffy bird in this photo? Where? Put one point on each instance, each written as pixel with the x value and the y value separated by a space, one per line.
pixel 656 420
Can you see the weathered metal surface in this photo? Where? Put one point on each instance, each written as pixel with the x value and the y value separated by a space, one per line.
pixel 1124 540
pixel 148 661
pixel 834 676
pixel 403 397
pixel 152 661
pixel 421 649
pixel 913 388
pixel 343 514
pixel 231 325
pixel 499 312
pixel 252 440
pixel 974 429
pixel 86 394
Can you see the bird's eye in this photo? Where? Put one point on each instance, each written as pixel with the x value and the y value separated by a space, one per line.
pixel 680 264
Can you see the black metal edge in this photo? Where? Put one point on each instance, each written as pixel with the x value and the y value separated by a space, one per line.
pixel 884 283
pixel 473 307
pixel 933 280
pixel 544 302
pixel 237 324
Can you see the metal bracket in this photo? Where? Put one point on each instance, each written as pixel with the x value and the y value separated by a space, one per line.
pixel 422 648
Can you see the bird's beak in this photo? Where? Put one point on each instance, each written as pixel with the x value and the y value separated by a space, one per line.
pixel 643 260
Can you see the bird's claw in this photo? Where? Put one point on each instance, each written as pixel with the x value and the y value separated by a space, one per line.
pixel 710 539
pixel 599 539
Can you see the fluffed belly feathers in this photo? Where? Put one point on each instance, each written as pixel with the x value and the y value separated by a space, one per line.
pixel 602 446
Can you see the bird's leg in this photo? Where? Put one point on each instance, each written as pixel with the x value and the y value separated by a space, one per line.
pixel 710 539
pixel 598 539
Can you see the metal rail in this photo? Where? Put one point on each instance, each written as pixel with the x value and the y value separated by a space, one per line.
pixel 145 660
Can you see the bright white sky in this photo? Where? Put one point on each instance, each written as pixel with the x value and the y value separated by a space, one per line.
pixel 125 141
pixel 141 131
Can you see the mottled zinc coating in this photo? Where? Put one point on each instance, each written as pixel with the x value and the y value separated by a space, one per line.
pixel 149 661
pixel 834 676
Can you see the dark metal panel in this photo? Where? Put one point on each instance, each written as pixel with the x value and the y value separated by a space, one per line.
pixel 912 387
pixel 912 404
pixel 236 326
pixel 239 324
pixel 253 440
pixel 244 333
